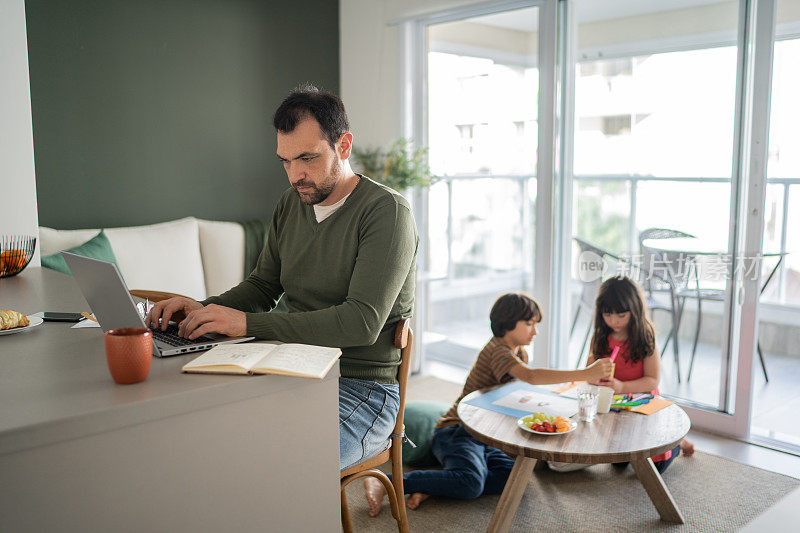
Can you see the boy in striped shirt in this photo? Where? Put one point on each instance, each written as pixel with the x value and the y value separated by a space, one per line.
pixel 471 468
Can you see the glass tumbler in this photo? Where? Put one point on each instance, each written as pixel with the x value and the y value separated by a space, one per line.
pixel 587 405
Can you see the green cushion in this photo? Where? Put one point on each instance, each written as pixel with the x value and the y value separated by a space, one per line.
pixel 98 247
pixel 420 420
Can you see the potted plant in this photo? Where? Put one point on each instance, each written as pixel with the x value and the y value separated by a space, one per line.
pixel 400 167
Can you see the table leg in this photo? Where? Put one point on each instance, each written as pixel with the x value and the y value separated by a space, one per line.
pixel 657 490
pixel 512 494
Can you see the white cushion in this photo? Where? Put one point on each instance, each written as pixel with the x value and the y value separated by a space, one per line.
pixel 222 249
pixel 161 257
pixel 52 241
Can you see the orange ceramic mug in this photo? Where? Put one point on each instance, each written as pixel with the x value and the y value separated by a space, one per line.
pixel 129 352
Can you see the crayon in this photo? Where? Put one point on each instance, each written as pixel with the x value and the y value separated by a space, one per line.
pixel 613 357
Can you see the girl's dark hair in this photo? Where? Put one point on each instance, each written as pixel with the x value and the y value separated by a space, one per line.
pixel 510 309
pixel 307 101
pixel 618 295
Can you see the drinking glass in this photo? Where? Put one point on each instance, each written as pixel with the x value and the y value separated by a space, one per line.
pixel 587 405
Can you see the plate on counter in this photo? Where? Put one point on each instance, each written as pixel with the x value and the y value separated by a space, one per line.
pixel 35 321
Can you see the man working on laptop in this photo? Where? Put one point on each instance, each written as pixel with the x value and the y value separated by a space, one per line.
pixel 341 250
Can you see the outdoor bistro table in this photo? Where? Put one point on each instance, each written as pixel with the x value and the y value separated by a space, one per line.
pixel 691 247
pixel 610 438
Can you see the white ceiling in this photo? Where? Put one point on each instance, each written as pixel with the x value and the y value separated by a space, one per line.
pixel 594 10
pixel 527 19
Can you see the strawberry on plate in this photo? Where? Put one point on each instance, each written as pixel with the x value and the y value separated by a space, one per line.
pixel 559 425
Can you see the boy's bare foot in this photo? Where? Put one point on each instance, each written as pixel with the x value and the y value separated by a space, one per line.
pixel 687 447
pixel 375 492
pixel 413 501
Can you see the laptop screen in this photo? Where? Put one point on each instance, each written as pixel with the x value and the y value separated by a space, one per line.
pixel 105 292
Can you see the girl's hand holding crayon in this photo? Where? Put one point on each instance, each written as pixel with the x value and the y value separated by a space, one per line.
pixel 614 383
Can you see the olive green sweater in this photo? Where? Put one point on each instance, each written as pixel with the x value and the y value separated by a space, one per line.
pixel 346 280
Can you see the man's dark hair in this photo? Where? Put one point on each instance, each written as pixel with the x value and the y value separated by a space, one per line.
pixel 510 309
pixel 307 101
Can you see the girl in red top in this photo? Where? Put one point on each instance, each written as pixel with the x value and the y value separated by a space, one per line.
pixel 621 320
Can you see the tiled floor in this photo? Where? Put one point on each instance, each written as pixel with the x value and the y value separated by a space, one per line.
pixel 451 351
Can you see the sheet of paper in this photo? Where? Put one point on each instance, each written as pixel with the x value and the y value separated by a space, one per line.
pixel 568 390
pixel 86 323
pixel 534 402
pixel 656 404
pixel 244 355
pixel 301 358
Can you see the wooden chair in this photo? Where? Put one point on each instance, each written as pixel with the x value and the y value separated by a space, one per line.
pixel 153 296
pixel 157 296
pixel 403 339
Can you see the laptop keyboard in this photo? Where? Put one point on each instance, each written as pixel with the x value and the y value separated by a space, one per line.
pixel 170 336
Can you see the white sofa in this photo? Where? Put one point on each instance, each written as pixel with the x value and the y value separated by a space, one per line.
pixel 189 256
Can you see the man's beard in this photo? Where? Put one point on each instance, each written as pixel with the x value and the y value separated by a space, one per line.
pixel 319 192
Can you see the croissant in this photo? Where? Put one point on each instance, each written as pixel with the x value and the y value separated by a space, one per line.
pixel 11 319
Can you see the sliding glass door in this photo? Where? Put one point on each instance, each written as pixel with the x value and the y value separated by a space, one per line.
pixel 482 127
pixel 654 144
pixel 668 139
pixel 776 396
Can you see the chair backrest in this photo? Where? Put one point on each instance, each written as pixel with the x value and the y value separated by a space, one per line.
pixel 590 287
pixel 586 246
pixel 403 339
pixel 672 268
pixel 661 233
pixel 678 268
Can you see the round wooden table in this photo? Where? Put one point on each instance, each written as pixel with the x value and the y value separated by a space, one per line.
pixel 610 438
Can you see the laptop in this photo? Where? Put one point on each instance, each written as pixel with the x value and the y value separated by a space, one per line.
pixel 106 293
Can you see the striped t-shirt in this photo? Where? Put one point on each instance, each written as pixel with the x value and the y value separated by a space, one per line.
pixel 491 368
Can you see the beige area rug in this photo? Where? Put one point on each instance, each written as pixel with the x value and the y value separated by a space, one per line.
pixel 713 493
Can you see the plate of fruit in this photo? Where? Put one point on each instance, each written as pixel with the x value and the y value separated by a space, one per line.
pixel 544 424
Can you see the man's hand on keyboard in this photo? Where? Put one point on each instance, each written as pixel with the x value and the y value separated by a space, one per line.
pixel 213 318
pixel 164 310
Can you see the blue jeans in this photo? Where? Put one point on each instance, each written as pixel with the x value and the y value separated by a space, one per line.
pixel 471 468
pixel 367 414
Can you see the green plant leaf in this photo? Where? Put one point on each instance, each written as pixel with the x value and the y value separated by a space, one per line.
pixel 400 167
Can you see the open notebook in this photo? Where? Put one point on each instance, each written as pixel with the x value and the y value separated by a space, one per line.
pixel 300 360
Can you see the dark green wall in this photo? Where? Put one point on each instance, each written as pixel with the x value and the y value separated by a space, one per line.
pixel 151 110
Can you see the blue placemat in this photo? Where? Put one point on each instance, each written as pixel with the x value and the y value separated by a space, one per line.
pixel 485 401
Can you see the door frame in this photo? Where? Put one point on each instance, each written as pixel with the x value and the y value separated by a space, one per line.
pixel 413 119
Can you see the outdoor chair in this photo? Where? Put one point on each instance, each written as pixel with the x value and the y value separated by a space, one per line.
pixel 590 288
pixel 758 343
pixel 587 298
pixel 680 275
pixel 664 273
